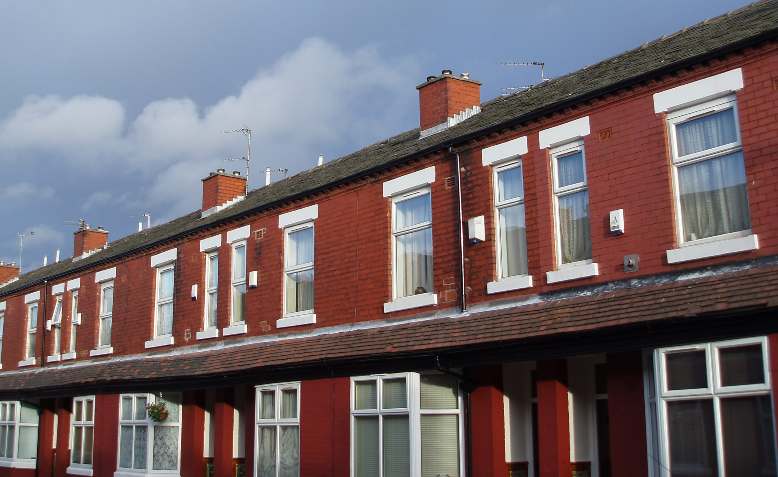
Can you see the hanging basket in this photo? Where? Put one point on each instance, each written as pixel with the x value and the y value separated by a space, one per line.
pixel 157 412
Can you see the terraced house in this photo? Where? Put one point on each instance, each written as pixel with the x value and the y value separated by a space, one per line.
pixel 577 279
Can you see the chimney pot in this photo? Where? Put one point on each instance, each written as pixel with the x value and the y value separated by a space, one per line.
pixel 220 171
pixel 446 72
pixel 236 173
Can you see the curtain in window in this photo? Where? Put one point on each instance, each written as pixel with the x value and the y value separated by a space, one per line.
pixel 212 308
pixel 288 404
pixel 574 234
pixel 300 247
pixel 165 448
pixel 267 451
pixel 747 425
pixel 692 437
pixel 570 169
pixel 439 445
pixel 439 392
pixel 77 434
pixel 106 307
pixel 9 445
pixel 125 447
pixel 395 394
pixel 299 291
pixel 140 446
pixel 366 446
pixel 397 444
pixel 513 241
pixel 213 270
pixel 88 443
pixel 289 458
pixel 414 263
pixel 3 433
pixel 366 395
pixel 165 319
pixel 268 405
pixel 28 442
pixel 414 211
pixel 238 302
pixel 510 184
pixel 706 132
pixel 714 200
pixel 105 331
pixel 239 263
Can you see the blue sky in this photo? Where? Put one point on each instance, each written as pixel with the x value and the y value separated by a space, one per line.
pixel 109 108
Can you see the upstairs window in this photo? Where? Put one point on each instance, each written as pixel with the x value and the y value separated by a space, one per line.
pixel 710 177
pixel 211 289
pixel 278 430
pixel 511 226
pixel 2 328
pixel 32 328
pixel 105 315
pixel 163 321
pixel 73 321
pixel 237 311
pixel 18 432
pixel 82 432
pixel 412 241
pixel 571 204
pixel 56 326
pixel 298 269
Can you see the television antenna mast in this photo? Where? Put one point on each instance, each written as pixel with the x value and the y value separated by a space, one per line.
pixel 519 64
pixel 247 158
pixel 22 236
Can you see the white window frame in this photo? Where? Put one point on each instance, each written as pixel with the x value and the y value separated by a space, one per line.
pixel 514 163
pixel 414 413
pixel 55 327
pixel 277 422
pixel 713 391
pixel 236 282
pixel 102 315
pixel 16 424
pixel 150 427
pixel 557 152
pixel 416 228
pixel 159 302
pixel 211 293
pixel 686 114
pixel 76 468
pixel 74 322
pixel 298 268
pixel 32 330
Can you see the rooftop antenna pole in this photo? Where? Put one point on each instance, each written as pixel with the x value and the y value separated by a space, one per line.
pixel 539 64
pixel 247 133
pixel 21 236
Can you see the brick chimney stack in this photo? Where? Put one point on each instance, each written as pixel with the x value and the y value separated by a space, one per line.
pixel 8 271
pixel 444 96
pixel 220 187
pixel 86 239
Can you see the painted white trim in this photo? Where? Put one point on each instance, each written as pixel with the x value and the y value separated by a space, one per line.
pixel 715 248
pixel 53 358
pixel 67 356
pixel 296 320
pixel 210 243
pixel 412 301
pixel 105 275
pixel 504 151
pixel 517 282
pixel 409 181
pixel 566 132
pixel 74 284
pixel 27 362
pixel 79 470
pixel 219 208
pixel 306 214
pixel 235 329
pixel 19 463
pixel 700 90
pixel 157 342
pixel 451 121
pixel 156 473
pixel 2 306
pixel 32 297
pixel 163 258
pixel 101 351
pixel 58 289
pixel 241 233
pixel 207 334
pixel 575 272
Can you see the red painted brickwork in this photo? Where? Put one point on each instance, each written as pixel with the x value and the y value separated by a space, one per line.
pixel 487 423
pixel 8 271
pixel 223 415
pixel 192 437
pixel 553 419
pixel 219 188
pixel 62 456
pixel 106 434
pixel 325 429
pixel 88 240
pixel 444 97
pixel 626 407
pixel 9 472
pixel 47 410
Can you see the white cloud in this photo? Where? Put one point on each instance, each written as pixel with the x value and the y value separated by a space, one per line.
pixel 22 191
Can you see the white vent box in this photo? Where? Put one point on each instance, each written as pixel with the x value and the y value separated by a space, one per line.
pixel 617 221
pixel 476 229
pixel 194 292
pixel 253 279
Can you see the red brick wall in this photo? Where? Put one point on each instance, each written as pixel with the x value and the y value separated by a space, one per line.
pixel 104 460
pixel 324 434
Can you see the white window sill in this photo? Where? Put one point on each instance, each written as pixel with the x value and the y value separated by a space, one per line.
pixel 101 351
pixel 413 301
pixel 207 334
pixel 79 470
pixel 53 358
pixel 296 320
pixel 67 356
pixel 27 362
pixel 518 282
pixel 18 464
pixel 716 248
pixel 157 342
pixel 235 329
pixel 157 473
pixel 575 272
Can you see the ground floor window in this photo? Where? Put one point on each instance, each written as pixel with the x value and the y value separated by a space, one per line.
pixel 714 409
pixel 82 431
pixel 18 431
pixel 406 424
pixel 278 430
pixel 150 433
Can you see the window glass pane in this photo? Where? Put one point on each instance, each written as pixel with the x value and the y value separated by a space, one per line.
pixel 88 410
pixel 741 365
pixel 140 408
pixel 288 404
pixel 439 391
pixel 686 370
pixel 32 316
pixel 570 169
pixel 107 301
pixel 747 425
pixel 125 447
pixel 9 444
pixel 574 234
pixel 395 395
pixel 238 303
pixel 28 442
pixel 366 446
pixel 12 412
pixel 268 404
pixel 239 263
pixel 414 263
pixel 706 132
pixel 513 241
pixel 692 438
pixel 79 410
pixel 397 460
pixel 439 445
pixel 166 284
pixel 213 271
pixel 212 309
pixel 289 465
pixel 299 291
pixel 165 319
pixel 267 452
pixel 30 345
pixel 510 184
pixel 127 408
pixel 413 211
pixel 165 448
pixel 2 440
pixel 77 432
pixel 88 441
pixel 713 195
pixel 300 245
pixel 29 413
pixel 172 402
pixel 105 331
pixel 140 446
pixel 365 395
pixel 57 315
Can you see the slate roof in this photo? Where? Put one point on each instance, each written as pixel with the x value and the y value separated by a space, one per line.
pixel 682 296
pixel 749 25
